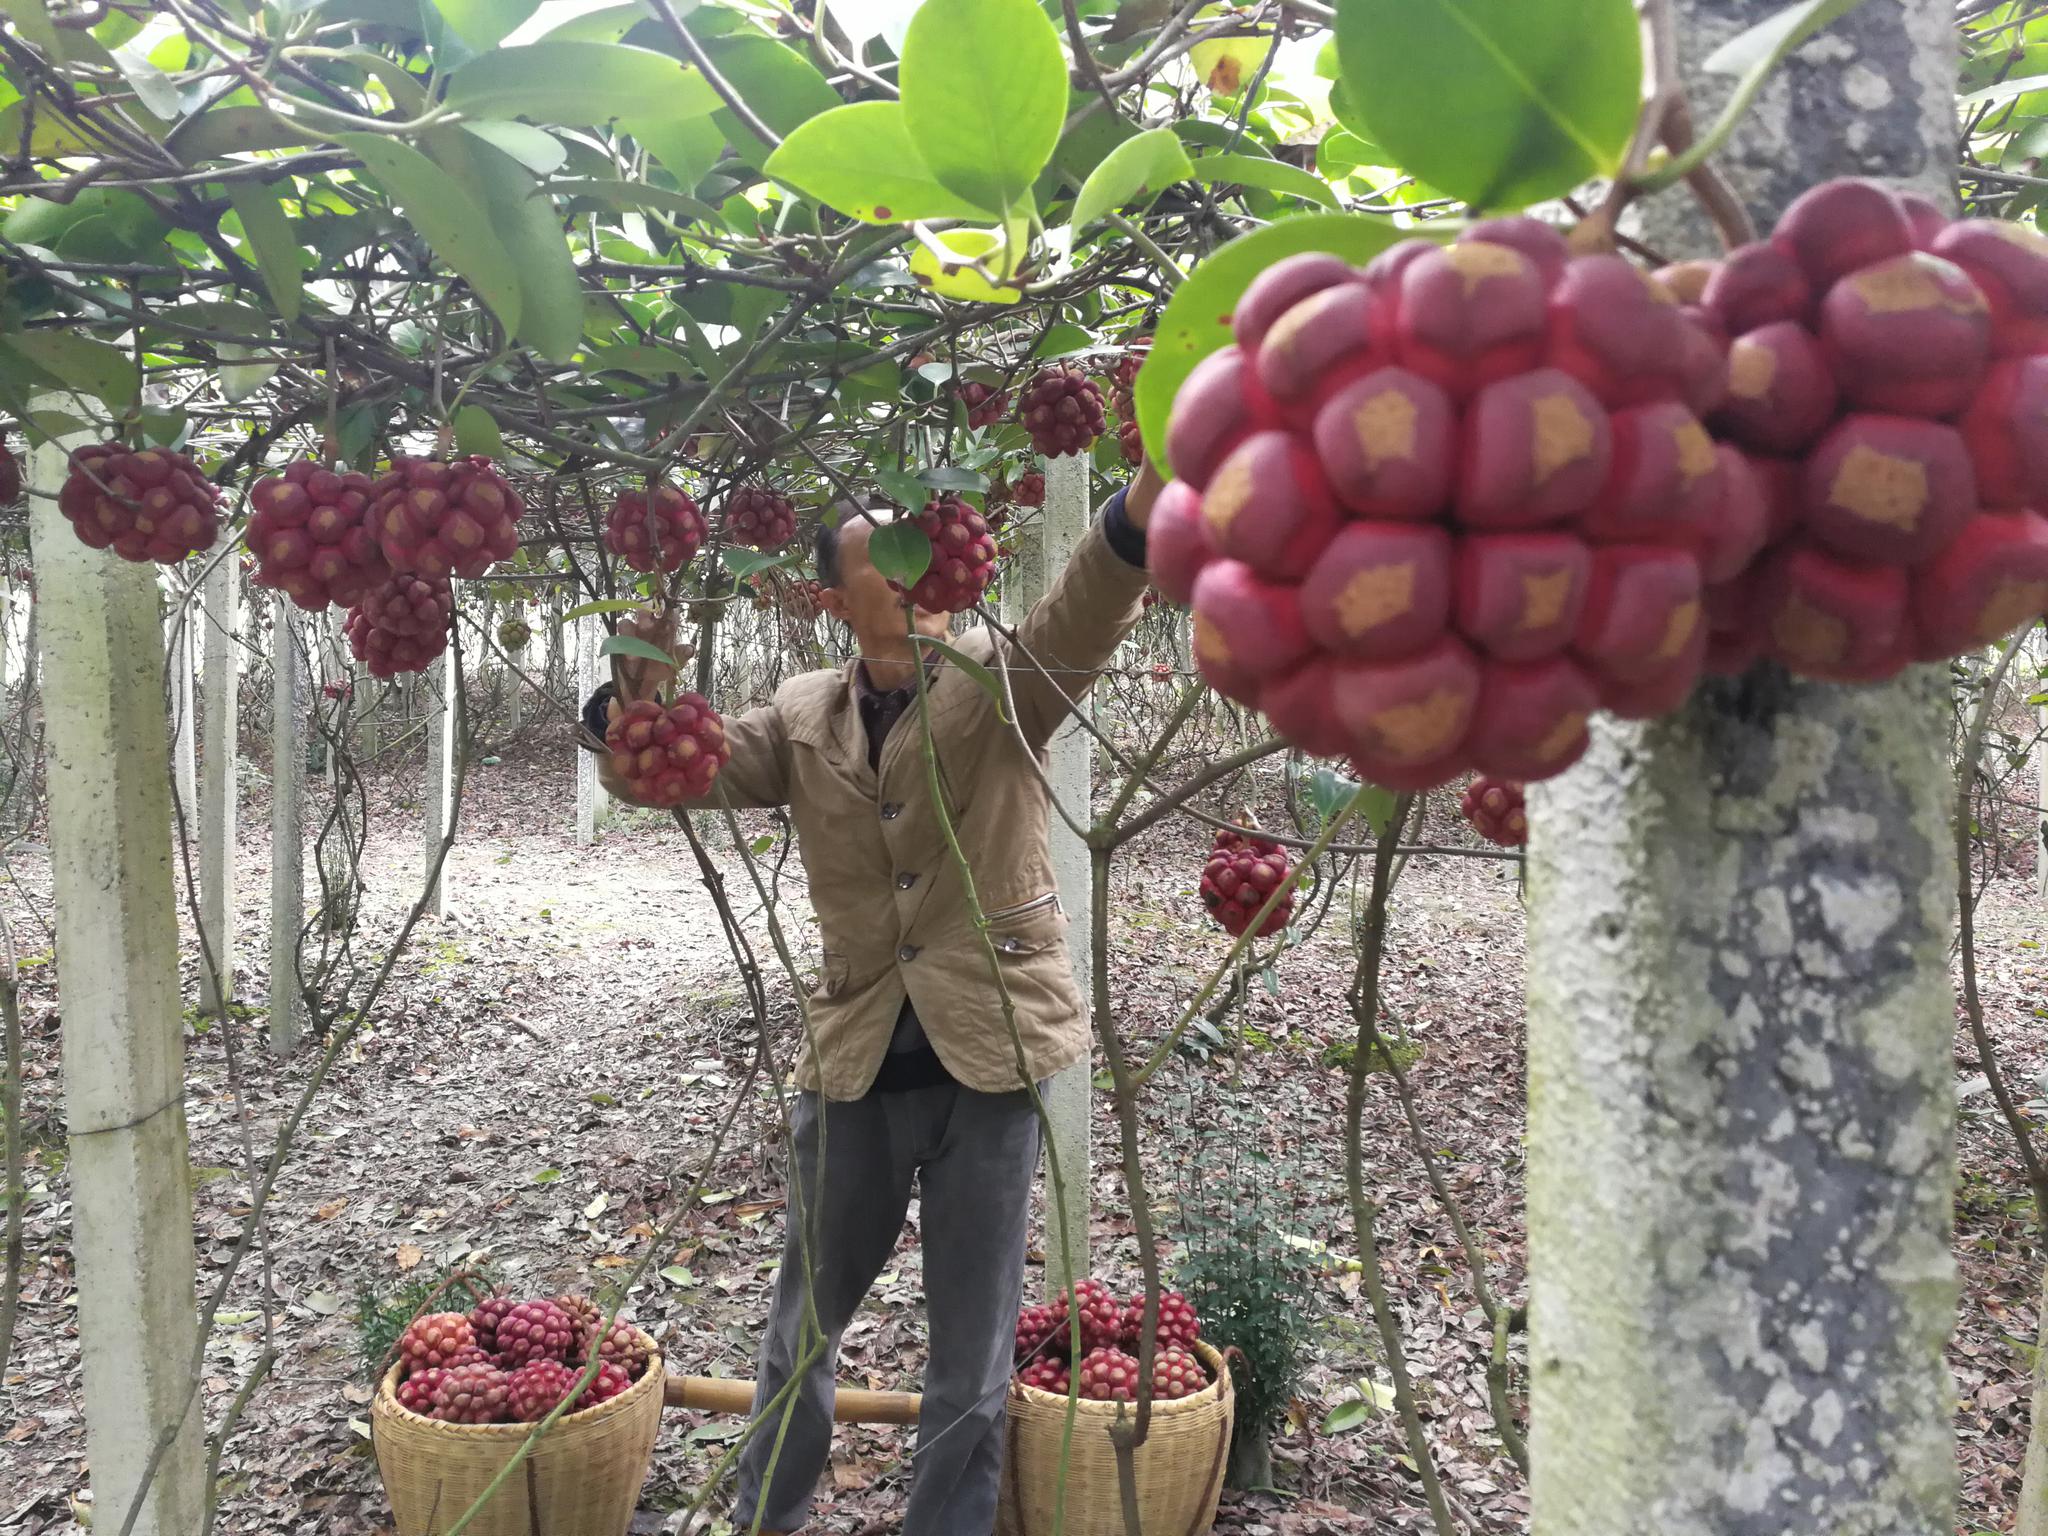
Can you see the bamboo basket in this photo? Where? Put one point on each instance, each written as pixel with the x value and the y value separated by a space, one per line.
pixel 583 1479
pixel 1179 1467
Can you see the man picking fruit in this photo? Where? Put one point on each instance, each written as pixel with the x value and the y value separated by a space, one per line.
pixel 911 1075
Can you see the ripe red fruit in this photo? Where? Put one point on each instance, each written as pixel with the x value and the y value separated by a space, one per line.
pixel 759 518
pixel 1910 334
pixel 985 404
pixel 1177 1373
pixel 485 1317
pixel 144 504
pixel 400 626
pixel 963 559
pixel 1497 811
pixel 433 1340
pixel 1048 1374
pixel 1039 1327
pixel 658 529
pixel 10 476
pixel 533 1389
pixel 1131 442
pixel 473 1394
pixel 1123 379
pixel 587 1319
pixel 668 754
pixel 1030 491
pixel 535 1330
pixel 311 536
pixel 1178 1325
pixel 417 1392
pixel 1108 1375
pixel 1101 1315
pixel 471 1354
pixel 623 1346
pixel 1242 871
pixel 611 1379
pixel 454 517
pixel 1062 410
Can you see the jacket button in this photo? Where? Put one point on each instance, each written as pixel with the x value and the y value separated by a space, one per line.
pixel 1009 946
pixel 905 881
pixel 907 952
pixel 891 811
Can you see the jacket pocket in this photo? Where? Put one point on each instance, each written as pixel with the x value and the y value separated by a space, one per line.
pixel 1026 927
pixel 833 971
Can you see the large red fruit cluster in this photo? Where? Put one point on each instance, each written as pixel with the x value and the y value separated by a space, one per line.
pixel 445 517
pixel 1123 400
pixel 1030 491
pixel 759 518
pixel 142 503
pixel 311 536
pixel 658 529
pixel 1497 810
pixel 1242 871
pixel 1888 379
pixel 401 625
pixel 963 557
pixel 1432 513
pixel 668 753
pixel 1108 1375
pixel 512 1361
pixel 985 404
pixel 1111 1345
pixel 1062 410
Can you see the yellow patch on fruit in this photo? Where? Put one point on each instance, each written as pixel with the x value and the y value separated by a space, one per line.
pixel 1696 456
pixel 1912 282
pixel 1210 646
pixel 1385 424
pixel 1806 634
pixel 1880 487
pixel 1421 729
pixel 1283 333
pixel 1751 369
pixel 2011 604
pixel 1227 496
pixel 1685 618
pixel 1543 597
pixel 1562 738
pixel 1374 595
pixel 1560 434
pixel 1655 289
pixel 2018 234
pixel 1477 261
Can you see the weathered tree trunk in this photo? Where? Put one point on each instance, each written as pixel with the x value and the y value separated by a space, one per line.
pixel 1740 1080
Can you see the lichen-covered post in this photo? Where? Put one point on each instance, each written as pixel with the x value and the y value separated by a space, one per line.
pixel 288 706
pixel 117 971
pixel 184 729
pixel 589 792
pixel 220 633
pixel 439 797
pixel 1741 1100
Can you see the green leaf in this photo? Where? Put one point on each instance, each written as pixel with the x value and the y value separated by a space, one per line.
pixel 279 260
pixel 483 24
pixel 985 679
pixel 547 1176
pixel 1502 105
pixel 630 645
pixel 945 262
pixel 984 94
pixel 860 160
pixel 745 562
pixel 580 83
pixel 539 151
pixel 602 605
pixel 1197 321
pixel 1261 171
pixel 784 89
pixel 1146 164
pixel 761 844
pixel 901 486
pixel 687 145
pixel 91 367
pixel 224 131
pixel 476 431
pixel 1329 790
pixel 524 219
pixel 1061 341
pixel 1754 53
pixel 676 1274
pixel 717 1433
pixel 901 552
pixel 32 21
pixel 441 209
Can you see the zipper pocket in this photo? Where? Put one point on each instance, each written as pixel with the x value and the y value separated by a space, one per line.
pixel 1024 908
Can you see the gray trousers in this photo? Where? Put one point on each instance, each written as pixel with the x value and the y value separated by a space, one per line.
pixel 972 1156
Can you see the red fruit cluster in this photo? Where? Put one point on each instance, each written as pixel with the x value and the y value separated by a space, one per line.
pixel 985 404
pixel 1048 1375
pixel 1242 871
pixel 1100 1314
pixel 1888 379
pixel 1123 379
pixel 1030 490
pixel 144 503
pixel 1062 410
pixel 485 1317
pixel 1110 1344
pixel 1108 1375
pixel 1130 442
pixel 311 536
pixel 471 1394
pixel 1177 1373
pixel 10 476
pixel 453 517
pixel 611 1379
pixel 668 754
pixel 402 625
pixel 659 529
pixel 759 518
pixel 963 557
pixel 533 1390
pixel 1036 1326
pixel 623 1345
pixel 1432 513
pixel 434 1340
pixel 1178 1325
pixel 512 1361
pixel 1496 809
pixel 417 1392
pixel 535 1330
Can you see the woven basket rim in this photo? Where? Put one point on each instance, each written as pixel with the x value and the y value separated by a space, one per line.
pixel 1220 1386
pixel 650 1380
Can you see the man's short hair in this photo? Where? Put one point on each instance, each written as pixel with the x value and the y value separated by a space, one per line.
pixel 838 515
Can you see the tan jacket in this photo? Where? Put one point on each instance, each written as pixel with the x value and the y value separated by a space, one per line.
pixel 891 915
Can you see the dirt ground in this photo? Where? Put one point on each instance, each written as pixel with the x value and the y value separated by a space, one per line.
pixel 542 1082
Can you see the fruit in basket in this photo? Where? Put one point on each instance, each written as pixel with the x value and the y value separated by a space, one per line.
pixel 1049 1374
pixel 416 1393
pixel 611 1379
pixel 471 1354
pixel 1108 1375
pixel 144 504
pixel 1101 1316
pixel 1039 1327
pixel 534 1330
pixel 588 1319
pixel 1241 873
pixel 473 1394
pixel 1177 1373
pixel 1178 1324
pixel 440 518
pixel 433 1340
pixel 1497 811
pixel 1062 410
pixel 533 1390
pixel 624 1346
pixel 484 1318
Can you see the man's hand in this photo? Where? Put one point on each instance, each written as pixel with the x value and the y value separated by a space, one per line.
pixel 642 677
pixel 1142 492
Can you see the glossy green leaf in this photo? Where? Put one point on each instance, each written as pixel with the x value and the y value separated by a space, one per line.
pixel 78 362
pixel 1141 166
pixel 483 24
pixel 1501 104
pixel 631 645
pixel 1754 52
pixel 901 486
pixel 32 20
pixel 452 222
pixel 524 218
pixel 476 431
pixel 1197 321
pixel 952 264
pixel 1260 171
pixel 642 362
pixel 580 82
pixel 607 25
pixel 1060 340
pixel 984 679
pixel 901 552
pixel 51 134
pixel 780 85
pixel 153 88
pixel 984 95
pixel 860 160
pixel 746 562
pixel 279 261
pixel 223 131
pixel 602 605
pixel 686 146
pixel 539 151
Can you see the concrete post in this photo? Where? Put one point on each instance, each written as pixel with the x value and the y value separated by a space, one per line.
pixel 589 793
pixel 2041 765
pixel 439 795
pixel 220 631
pixel 289 703
pixel 1741 1089
pixel 124 1058
pixel 184 728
